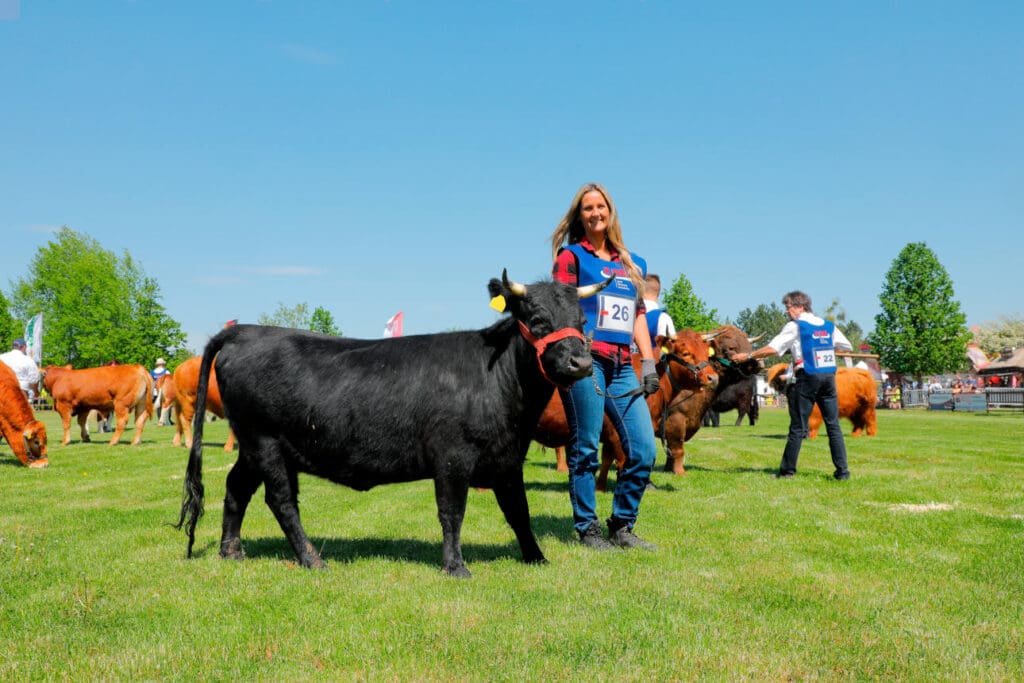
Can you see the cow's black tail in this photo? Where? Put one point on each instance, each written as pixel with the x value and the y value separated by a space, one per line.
pixel 192 497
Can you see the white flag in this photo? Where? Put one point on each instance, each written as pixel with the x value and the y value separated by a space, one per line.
pixel 34 339
pixel 393 327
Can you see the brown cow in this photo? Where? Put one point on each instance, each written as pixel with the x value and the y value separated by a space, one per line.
pixel 685 366
pixel 165 394
pixel 857 394
pixel 682 419
pixel 186 384
pixel 18 424
pixel 117 388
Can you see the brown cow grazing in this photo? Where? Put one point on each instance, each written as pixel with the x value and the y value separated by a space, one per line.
pixel 186 384
pixel 685 366
pixel 683 418
pixel 117 388
pixel 857 394
pixel 18 424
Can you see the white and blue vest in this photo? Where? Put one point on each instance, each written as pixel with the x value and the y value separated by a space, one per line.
pixel 817 344
pixel 611 313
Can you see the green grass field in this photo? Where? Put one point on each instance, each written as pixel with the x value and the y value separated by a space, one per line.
pixel 912 570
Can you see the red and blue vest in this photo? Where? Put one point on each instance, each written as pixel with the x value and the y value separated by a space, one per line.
pixel 611 313
pixel 817 343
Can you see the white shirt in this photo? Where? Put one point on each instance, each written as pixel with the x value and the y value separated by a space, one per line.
pixel 24 367
pixel 789 338
pixel 665 325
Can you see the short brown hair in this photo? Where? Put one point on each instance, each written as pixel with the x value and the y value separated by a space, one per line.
pixel 797 298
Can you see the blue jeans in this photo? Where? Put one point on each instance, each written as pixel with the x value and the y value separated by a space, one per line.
pixel 808 391
pixel 585 409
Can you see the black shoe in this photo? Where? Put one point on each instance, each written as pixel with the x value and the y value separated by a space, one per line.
pixel 783 475
pixel 593 538
pixel 619 534
pixel 841 476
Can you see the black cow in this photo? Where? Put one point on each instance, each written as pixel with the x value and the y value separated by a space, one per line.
pixel 459 408
pixel 740 395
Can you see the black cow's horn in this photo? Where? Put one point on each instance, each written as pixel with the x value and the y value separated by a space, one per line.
pixel 512 285
pixel 591 290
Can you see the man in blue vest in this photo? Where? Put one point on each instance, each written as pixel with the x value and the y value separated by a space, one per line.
pixel 812 341
pixel 658 321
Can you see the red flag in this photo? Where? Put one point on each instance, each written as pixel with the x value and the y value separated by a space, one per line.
pixel 393 327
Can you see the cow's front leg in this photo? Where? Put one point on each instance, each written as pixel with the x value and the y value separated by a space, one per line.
pixel 451 492
pixel 241 485
pixel 511 496
pixel 282 495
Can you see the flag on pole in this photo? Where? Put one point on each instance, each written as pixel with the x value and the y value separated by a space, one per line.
pixel 393 327
pixel 34 338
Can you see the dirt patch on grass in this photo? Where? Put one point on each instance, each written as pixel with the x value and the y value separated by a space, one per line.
pixel 920 507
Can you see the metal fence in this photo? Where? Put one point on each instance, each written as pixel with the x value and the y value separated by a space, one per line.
pixel 995 398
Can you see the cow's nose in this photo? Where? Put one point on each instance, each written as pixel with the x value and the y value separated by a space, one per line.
pixel 580 366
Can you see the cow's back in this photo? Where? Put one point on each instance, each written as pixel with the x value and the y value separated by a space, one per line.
pixel 14 407
pixel 99 388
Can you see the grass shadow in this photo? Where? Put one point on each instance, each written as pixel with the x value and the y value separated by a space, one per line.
pixel 348 550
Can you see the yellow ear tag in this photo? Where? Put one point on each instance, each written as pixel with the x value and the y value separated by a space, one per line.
pixel 665 349
pixel 498 303
pixel 711 351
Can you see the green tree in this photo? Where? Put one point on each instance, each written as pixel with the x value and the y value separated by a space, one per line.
pixel 837 314
pixel 96 306
pixel 323 321
pixel 766 319
pixel 9 327
pixel 296 317
pixel 686 309
pixel 1005 333
pixel 921 329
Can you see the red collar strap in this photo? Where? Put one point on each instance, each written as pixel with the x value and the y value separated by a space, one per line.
pixel 542 344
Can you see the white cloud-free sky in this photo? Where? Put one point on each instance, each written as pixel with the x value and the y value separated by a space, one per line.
pixel 373 156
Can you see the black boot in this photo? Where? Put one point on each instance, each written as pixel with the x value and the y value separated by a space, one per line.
pixel 593 538
pixel 621 535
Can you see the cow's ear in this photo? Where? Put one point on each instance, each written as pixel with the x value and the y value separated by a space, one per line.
pixel 494 287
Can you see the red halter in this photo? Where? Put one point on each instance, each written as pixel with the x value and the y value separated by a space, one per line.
pixel 543 343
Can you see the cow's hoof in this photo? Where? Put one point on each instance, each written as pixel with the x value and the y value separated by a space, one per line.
pixel 232 550
pixel 459 572
pixel 536 560
pixel 40 463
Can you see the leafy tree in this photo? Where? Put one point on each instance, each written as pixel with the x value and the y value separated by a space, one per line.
pixel 837 314
pixel 96 307
pixel 921 329
pixel 296 317
pixel 686 309
pixel 323 321
pixel 765 319
pixel 1006 333
pixel 9 327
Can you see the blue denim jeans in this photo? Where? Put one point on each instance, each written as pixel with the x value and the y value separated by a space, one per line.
pixel 808 391
pixel 585 409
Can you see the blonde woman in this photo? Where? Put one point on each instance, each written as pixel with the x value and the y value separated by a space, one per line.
pixel 588 248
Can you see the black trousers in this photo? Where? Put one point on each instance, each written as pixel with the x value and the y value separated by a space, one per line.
pixel 808 391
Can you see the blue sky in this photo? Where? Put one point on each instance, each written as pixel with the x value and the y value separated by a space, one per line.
pixel 372 156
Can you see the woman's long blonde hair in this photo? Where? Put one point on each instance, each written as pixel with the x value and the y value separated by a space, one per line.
pixel 570 230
